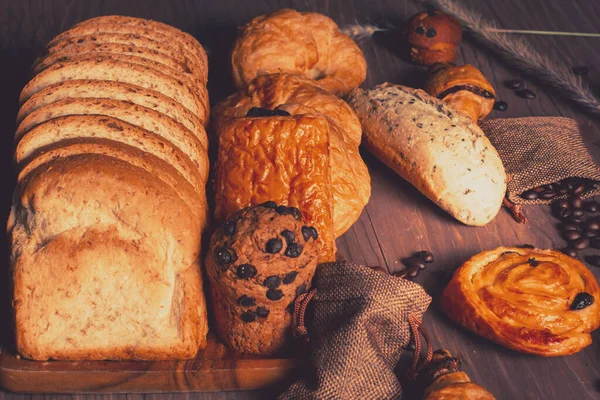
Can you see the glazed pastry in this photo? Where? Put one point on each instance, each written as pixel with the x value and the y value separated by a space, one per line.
pixel 440 151
pixel 258 262
pixel 350 180
pixel 442 379
pixel 269 155
pixel 534 301
pixel 305 44
pixel 433 37
pixel 463 87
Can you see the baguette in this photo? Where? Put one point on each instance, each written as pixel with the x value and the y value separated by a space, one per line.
pixel 437 149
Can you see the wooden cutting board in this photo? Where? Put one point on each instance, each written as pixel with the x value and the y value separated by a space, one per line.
pixel 215 368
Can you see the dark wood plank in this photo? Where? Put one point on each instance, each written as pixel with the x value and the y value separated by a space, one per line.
pixel 398 220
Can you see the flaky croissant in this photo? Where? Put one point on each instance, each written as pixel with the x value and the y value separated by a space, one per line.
pixel 463 87
pixel 305 44
pixel 534 301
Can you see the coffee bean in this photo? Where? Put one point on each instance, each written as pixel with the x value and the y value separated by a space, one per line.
pixel 288 235
pixel 248 316
pixel 571 252
pixel 593 260
pixel 591 225
pixel 229 228
pixel 500 106
pixel 425 255
pixel 562 190
pixel 294 250
pixel 526 94
pixel 513 84
pixel 301 289
pixel 577 212
pixel 572 235
pixel 431 33
pixel 580 70
pixel 591 234
pixel 246 271
pixel 530 195
pixel 412 271
pixel 246 301
pixel 547 194
pixel 262 312
pixel 578 188
pixel 401 274
pixel 595 242
pixel 290 277
pixel 272 282
pixel 309 232
pixel 591 206
pixel 576 201
pixel 224 256
pixel 539 189
pixel 562 203
pixel 274 246
pixel 580 244
pixel 274 294
pixel 568 226
pixel 575 219
pixel 269 204
pixel 414 262
pixel 582 300
pixel 562 213
pixel 551 186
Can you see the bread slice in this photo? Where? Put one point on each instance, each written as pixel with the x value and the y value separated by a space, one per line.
pixel 107 69
pixel 95 277
pixel 72 44
pixel 86 88
pixel 94 126
pixel 144 27
pixel 142 117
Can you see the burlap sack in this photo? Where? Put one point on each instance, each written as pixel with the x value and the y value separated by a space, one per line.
pixel 540 150
pixel 358 331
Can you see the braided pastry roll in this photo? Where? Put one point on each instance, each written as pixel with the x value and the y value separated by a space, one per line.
pixel 534 301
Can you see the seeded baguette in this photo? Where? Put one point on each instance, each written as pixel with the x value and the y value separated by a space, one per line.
pixel 70 127
pixel 437 149
pixel 106 69
pixel 142 117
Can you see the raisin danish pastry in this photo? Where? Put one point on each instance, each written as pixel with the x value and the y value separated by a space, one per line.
pixel 306 44
pixel 259 261
pixel 534 301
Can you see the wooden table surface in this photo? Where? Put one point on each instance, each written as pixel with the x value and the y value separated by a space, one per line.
pixel 398 220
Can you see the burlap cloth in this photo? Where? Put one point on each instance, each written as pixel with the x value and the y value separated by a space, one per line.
pixel 359 329
pixel 540 150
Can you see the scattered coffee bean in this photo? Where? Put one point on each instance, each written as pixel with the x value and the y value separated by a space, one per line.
pixel 595 242
pixel 309 232
pixel 248 316
pixel 500 106
pixel 582 300
pixel 412 272
pixel 562 203
pixel 301 289
pixel 246 271
pixel 578 188
pixel 562 190
pixel 229 228
pixel 414 262
pixel 274 294
pixel 272 282
pixel 591 225
pixel 575 219
pixel 401 274
pixel 591 206
pixel 580 244
pixel 294 250
pixel 290 277
pixel 576 201
pixel 262 312
pixel 580 70
pixel 431 33
pixel 593 260
pixel 591 234
pixel 513 84
pixel 269 204
pixel 246 301
pixel 425 255
pixel 539 189
pixel 530 195
pixel 577 212
pixel 526 94
pixel 274 246
pixel 288 235
pixel 225 256
pixel 547 194
pixel 571 252
pixel 563 213
pixel 568 226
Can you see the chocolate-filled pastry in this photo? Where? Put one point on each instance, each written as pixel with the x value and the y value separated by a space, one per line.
pixel 463 87
pixel 433 37
pixel 259 261
pixel 306 44
pixel 534 301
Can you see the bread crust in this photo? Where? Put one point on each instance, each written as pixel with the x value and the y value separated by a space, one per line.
pixel 441 152
pixel 522 304
pixel 306 44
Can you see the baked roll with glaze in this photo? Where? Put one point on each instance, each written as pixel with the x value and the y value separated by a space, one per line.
pixel 433 37
pixel 463 87
pixel 306 44
pixel 272 156
pixel 534 301
pixel 350 180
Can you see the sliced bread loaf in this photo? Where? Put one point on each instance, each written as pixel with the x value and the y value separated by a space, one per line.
pixel 94 126
pixel 107 69
pixel 143 117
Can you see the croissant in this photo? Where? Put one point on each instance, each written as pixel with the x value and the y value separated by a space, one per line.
pixel 305 44
pixel 534 301
pixel 463 87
